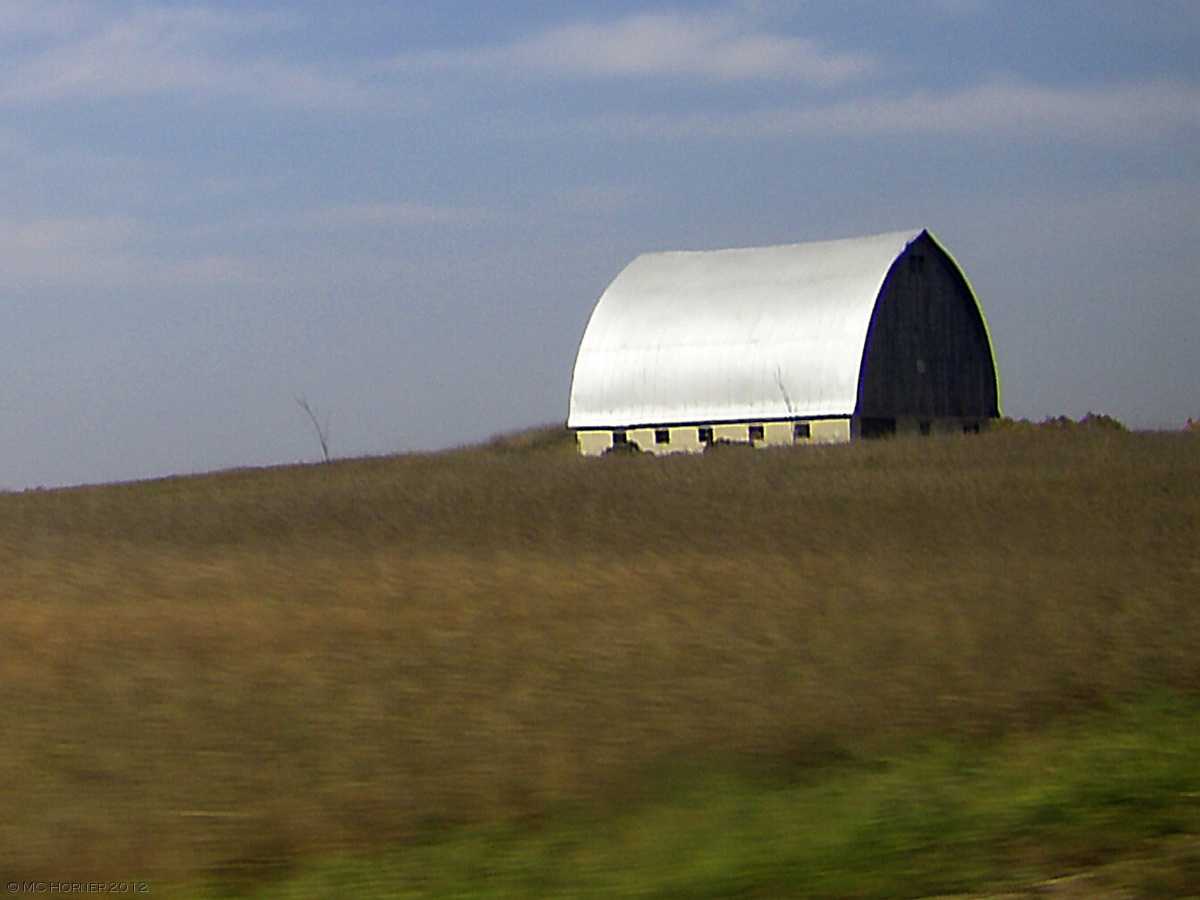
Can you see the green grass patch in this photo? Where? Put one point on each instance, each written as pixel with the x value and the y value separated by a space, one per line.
pixel 1119 790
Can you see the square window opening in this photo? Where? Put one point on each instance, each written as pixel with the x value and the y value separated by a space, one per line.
pixel 801 431
pixel 662 435
pixel 619 437
pixel 704 435
pixel 756 433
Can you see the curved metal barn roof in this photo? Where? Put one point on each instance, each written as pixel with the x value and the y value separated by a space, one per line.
pixel 732 335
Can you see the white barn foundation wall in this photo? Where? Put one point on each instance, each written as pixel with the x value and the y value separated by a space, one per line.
pixel 830 431
pixel 593 443
pixel 687 438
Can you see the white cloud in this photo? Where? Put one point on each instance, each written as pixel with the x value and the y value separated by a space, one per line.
pixel 1124 113
pixel 719 47
pixel 156 50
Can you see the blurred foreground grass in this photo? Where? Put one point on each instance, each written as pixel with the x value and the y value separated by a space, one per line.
pixel 248 671
pixel 1101 806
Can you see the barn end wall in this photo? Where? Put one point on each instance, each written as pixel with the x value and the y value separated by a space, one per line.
pixel 687 438
pixel 927 354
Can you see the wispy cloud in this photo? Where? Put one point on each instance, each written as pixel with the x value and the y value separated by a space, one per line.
pixel 107 251
pixel 160 50
pixel 957 8
pixel 1131 112
pixel 20 19
pixel 68 250
pixel 382 215
pixel 721 47
pixel 717 47
pixel 599 198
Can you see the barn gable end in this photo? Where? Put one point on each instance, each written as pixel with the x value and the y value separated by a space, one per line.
pixel 927 354
pixel 782 345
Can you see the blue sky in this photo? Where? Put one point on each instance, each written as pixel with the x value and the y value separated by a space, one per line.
pixel 405 212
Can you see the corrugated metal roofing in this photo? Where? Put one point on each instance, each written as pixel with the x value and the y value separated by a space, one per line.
pixel 732 335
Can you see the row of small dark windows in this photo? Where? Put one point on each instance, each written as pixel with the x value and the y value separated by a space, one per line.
pixel 704 434
pixel 801 431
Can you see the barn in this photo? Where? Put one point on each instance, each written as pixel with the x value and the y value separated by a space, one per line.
pixel 819 342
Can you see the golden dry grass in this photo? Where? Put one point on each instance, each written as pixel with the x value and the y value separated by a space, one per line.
pixel 247 668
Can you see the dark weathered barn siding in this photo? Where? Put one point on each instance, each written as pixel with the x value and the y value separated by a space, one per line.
pixel 927 353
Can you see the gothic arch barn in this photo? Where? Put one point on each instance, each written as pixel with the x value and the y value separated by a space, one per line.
pixel 825 341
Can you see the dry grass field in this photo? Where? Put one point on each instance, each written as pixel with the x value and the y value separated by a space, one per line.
pixel 255 668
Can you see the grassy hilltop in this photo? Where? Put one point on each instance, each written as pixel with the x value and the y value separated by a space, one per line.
pixel 234 675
